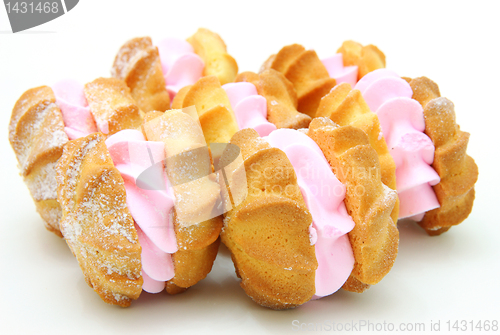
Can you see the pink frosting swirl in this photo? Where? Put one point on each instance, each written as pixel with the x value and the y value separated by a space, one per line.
pixel 403 125
pixel 336 69
pixel 249 107
pixel 78 121
pixel 324 196
pixel 180 65
pixel 150 201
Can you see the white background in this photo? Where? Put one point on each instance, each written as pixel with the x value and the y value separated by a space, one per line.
pixel 449 277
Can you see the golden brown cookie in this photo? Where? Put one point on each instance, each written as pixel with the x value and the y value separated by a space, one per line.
pixel 138 65
pixel 306 72
pixel 367 58
pixel 457 170
pixel 99 228
pixel 197 238
pixel 271 263
pixel 217 118
pixel 96 222
pixel 281 98
pixel 268 232
pixel 345 106
pixel 369 202
pixel 112 106
pixel 212 49
pixel 36 133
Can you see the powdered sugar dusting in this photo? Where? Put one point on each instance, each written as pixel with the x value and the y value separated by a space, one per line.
pixel 33 139
pixel 43 185
pixel 96 222
pixel 74 171
pixel 128 56
pixel 51 216
pixel 119 297
pixel 36 133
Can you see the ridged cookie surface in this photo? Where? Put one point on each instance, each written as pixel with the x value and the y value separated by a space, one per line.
pixel 189 170
pixel 345 106
pixel 280 96
pixel 268 232
pixel 212 49
pixel 367 58
pixel 96 221
pixel 457 170
pixel 306 72
pixel 36 133
pixel 375 238
pixel 214 110
pixel 112 106
pixel 138 65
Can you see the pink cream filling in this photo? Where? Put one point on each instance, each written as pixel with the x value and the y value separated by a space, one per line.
pixel 249 107
pixel 336 69
pixel 180 65
pixel 150 201
pixel 403 125
pixel 78 121
pixel 324 196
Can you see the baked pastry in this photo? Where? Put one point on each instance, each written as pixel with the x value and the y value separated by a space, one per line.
pixel 138 65
pixel 212 104
pixel 406 127
pixel 307 74
pixel 381 105
pixel 366 58
pixel 96 222
pixel 281 98
pixel 212 49
pixel 45 117
pixel 197 215
pixel 261 102
pixel 314 78
pixel 128 229
pixel 369 133
pixel 343 110
pixel 36 133
pixel 156 73
pixel 457 171
pixel 287 242
pixel 347 107
pixel 112 105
